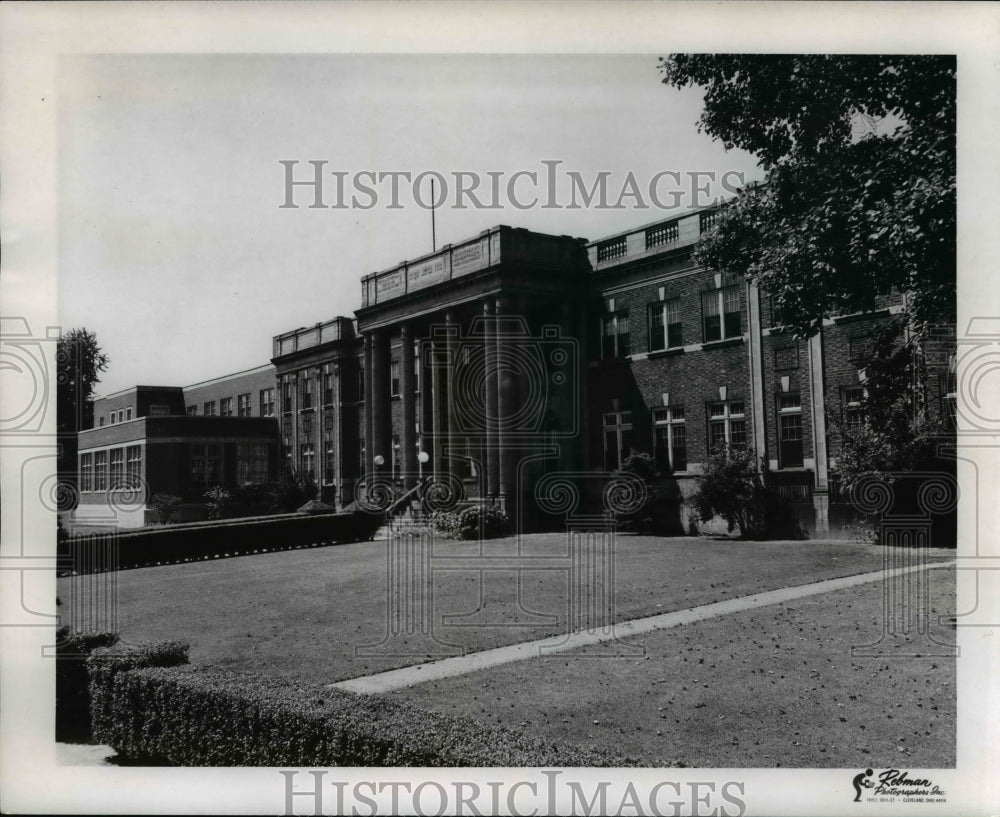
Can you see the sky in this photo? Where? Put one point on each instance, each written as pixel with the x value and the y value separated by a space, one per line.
pixel 174 247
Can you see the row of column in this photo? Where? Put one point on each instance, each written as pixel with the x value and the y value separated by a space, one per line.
pixel 441 431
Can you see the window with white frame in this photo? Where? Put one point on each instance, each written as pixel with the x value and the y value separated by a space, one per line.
pixel 665 325
pixel 853 401
pixel 615 337
pixel 617 438
pixel 128 413
pixel 327 389
pixel 721 313
pixel 669 439
pixel 789 431
pixel 286 397
pixel 87 472
pixel 727 424
pixel 267 402
pixel 307 456
pixel 209 408
pixel 251 463
pixel 133 465
pixel 116 468
pixel 100 470
pixel 307 393
pixel 226 407
pixel 394 378
pixel 243 405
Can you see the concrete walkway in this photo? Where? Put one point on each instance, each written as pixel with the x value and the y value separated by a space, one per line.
pixel 464 664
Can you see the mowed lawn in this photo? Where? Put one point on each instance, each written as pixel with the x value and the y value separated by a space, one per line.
pixel 303 614
pixel 775 686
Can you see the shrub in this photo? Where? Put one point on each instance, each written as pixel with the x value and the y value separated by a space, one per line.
pixel 486 521
pixel 150 708
pixel 446 522
pixel 218 502
pixel 293 490
pixel 72 685
pixel 731 486
pixel 166 506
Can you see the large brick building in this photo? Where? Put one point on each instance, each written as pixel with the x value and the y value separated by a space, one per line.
pixel 503 362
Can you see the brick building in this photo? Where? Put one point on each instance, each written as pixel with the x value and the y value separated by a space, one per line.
pixel 505 362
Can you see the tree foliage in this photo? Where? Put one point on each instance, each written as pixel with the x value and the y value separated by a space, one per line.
pixel 79 363
pixel 859 199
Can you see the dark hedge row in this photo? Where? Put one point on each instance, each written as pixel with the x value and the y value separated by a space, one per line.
pixel 206 540
pixel 151 709
pixel 72 681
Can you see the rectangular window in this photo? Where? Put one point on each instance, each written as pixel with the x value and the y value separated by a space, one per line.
pixel 665 325
pixel 416 368
pixel 777 312
pixel 617 438
pixel 789 431
pixel 192 410
pixel 116 469
pixel 267 402
pixel 87 472
pixel 206 465
pixel 948 389
pixel 616 340
pixel 669 439
pixel 394 378
pixel 133 465
pixel 243 405
pixel 100 421
pixel 210 408
pixel 307 455
pixel 251 463
pixel 328 464
pixel 307 393
pixel 327 389
pixel 100 470
pixel 226 407
pixel 128 413
pixel 727 424
pixel 853 399
pixel 721 314
pixel 286 397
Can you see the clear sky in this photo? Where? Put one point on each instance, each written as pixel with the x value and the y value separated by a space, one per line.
pixel 173 247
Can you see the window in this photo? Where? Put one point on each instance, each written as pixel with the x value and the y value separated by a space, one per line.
pixel 669 439
pixel 661 234
pixel 159 410
pixel 615 340
pixel 226 407
pixel 267 402
pixel 243 405
pixel 727 424
pixel 721 313
pixel 854 400
pixel 100 421
pixel 609 250
pixel 665 325
pixel 361 454
pixel 777 312
pixel 128 413
pixel 394 378
pixel 786 357
pixel 210 408
pixel 251 463
pixel 286 397
pixel 87 472
pixel 206 465
pixel 328 464
pixel 949 397
pixel 789 431
pixel 100 470
pixel 133 465
pixel 116 469
pixel 307 457
pixel 307 393
pixel 327 389
pixel 192 410
pixel 416 368
pixel 617 438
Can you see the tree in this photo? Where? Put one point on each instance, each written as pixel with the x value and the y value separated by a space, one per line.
pixel 79 363
pixel 859 199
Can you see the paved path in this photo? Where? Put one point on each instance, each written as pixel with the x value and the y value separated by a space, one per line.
pixel 464 664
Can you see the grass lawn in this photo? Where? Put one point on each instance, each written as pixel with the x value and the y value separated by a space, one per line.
pixel 301 614
pixel 772 687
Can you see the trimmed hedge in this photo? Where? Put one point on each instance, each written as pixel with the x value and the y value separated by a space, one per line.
pixel 152 710
pixel 72 689
pixel 206 540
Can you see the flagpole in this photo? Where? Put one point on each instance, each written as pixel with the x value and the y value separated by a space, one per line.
pixel 433 232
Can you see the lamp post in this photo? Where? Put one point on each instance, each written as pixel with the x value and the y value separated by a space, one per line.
pixel 422 459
